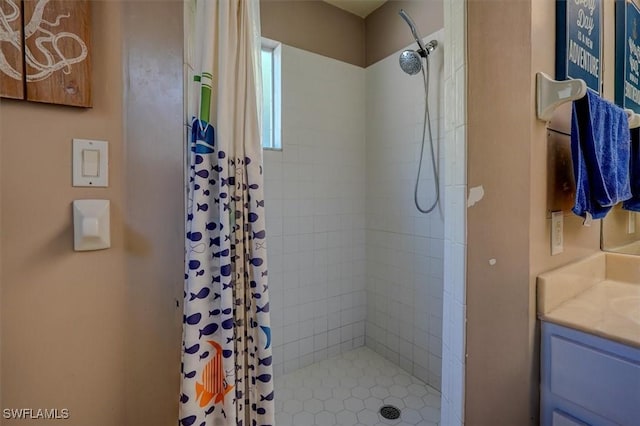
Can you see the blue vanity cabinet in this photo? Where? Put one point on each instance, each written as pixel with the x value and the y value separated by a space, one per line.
pixel 587 380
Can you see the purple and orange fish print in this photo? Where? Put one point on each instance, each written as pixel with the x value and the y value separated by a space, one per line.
pixel 214 383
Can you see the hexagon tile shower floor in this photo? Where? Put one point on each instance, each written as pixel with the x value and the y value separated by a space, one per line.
pixel 350 389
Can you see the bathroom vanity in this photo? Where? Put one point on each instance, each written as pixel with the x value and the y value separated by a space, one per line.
pixel 590 352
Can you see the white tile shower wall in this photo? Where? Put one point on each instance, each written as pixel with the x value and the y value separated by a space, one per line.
pixel 454 302
pixel 315 197
pixel 405 248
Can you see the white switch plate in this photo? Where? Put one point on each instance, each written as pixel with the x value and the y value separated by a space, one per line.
pixel 557 233
pixel 80 178
pixel 631 229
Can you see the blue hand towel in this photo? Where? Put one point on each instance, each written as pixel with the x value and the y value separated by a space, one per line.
pixel 600 145
pixel 633 203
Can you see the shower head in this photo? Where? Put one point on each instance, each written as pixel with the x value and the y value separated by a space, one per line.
pixel 404 15
pixel 410 62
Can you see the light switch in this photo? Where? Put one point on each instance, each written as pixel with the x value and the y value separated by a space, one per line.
pixel 557 233
pixel 90 163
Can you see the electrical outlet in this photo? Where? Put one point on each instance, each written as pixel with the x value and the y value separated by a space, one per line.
pixel 631 229
pixel 557 233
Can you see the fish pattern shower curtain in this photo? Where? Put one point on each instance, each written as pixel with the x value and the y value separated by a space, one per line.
pixel 226 361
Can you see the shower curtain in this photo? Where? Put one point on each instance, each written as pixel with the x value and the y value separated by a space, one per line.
pixel 226 354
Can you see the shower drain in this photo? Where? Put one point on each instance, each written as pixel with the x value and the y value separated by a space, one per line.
pixel 390 412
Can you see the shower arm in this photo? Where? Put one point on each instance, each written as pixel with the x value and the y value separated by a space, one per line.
pixel 428 48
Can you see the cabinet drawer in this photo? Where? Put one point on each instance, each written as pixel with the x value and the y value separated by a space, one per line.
pixel 561 419
pixel 599 381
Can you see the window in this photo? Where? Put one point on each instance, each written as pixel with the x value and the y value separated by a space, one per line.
pixel 270 95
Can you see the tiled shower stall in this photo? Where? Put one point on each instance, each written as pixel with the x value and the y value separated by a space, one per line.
pixel 404 246
pixel 352 261
pixel 316 219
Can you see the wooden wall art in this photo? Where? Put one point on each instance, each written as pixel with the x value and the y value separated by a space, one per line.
pixel 11 75
pixel 47 58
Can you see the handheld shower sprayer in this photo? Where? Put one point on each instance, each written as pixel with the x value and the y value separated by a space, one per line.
pixel 412 26
pixel 411 60
pixel 411 63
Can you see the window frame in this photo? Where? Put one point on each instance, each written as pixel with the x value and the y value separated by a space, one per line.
pixel 275 141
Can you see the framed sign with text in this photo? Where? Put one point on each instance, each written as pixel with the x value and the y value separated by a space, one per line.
pixel 627 81
pixel 579 41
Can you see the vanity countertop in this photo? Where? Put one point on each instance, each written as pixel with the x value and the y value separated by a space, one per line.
pixel 598 295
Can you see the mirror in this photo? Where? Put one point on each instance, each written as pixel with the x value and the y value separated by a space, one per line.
pixel 620 232
pixel 620 229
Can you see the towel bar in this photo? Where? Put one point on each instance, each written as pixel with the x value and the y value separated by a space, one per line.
pixel 552 93
pixel 634 119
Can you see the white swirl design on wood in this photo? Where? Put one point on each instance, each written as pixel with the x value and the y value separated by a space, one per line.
pixel 48 43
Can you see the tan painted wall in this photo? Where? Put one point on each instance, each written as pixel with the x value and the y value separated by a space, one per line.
pixel 498 140
pixel 96 332
pixel 319 27
pixel 315 26
pixel 386 32
pixel 508 42
pixel 154 232
pixel 63 313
